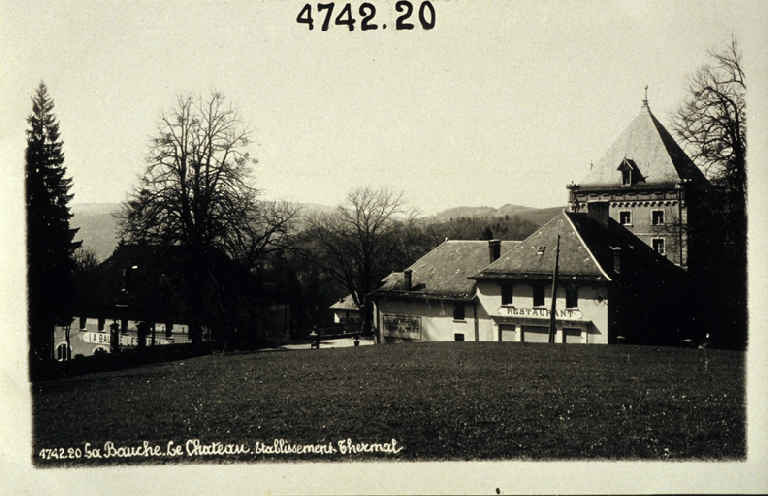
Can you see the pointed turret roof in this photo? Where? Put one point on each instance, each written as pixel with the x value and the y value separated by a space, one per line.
pixel 647 147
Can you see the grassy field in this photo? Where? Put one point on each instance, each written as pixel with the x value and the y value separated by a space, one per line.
pixel 438 401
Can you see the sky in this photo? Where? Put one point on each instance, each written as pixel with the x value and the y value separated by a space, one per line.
pixel 501 102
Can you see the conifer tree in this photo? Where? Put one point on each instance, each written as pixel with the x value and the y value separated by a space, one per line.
pixel 50 244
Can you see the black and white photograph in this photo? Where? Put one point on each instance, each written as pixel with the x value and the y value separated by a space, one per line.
pixel 384 247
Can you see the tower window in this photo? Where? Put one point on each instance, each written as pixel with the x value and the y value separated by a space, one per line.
pixel 625 218
pixel 657 217
pixel 658 245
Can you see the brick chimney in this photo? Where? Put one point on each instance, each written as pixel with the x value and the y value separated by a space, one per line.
pixel 408 276
pixel 494 250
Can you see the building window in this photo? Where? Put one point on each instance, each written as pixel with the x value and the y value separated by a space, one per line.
pixel 101 324
pixel 658 245
pixel 657 217
pixel 458 337
pixel 625 218
pixel 458 311
pixel 538 295
pixel 571 296
pixel 506 294
pixel 62 352
pixel 626 177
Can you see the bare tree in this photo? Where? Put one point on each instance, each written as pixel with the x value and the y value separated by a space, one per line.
pixel 711 123
pixel 361 242
pixel 196 194
pixel 194 191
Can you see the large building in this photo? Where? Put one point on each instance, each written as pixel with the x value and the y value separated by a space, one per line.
pixel 619 253
pixel 646 183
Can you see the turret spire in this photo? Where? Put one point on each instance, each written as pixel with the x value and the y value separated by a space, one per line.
pixel 645 100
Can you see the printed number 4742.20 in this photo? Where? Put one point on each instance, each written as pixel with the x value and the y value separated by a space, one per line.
pixel 367 11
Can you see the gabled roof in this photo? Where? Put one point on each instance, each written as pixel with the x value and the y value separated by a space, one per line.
pixel 346 303
pixel 646 144
pixel 586 251
pixel 444 271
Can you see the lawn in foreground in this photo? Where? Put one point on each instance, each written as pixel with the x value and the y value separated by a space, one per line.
pixel 439 401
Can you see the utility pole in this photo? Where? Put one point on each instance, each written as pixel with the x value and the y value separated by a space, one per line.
pixel 554 295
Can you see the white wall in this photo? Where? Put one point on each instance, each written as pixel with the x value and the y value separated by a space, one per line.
pixel 437 322
pixel 592 304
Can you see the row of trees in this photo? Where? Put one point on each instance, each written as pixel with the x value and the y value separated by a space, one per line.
pixel 197 196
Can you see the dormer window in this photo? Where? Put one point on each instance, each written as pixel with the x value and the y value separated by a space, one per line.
pixel 626 178
pixel 630 174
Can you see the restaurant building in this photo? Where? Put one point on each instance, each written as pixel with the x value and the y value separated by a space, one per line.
pixel 611 287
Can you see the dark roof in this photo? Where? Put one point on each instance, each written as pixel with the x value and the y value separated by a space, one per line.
pixel 586 251
pixel 652 149
pixel 444 271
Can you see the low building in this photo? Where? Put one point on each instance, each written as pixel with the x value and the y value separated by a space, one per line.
pixel 346 311
pixel 147 284
pixel 434 299
pixel 91 336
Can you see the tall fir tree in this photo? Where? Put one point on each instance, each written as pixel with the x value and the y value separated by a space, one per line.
pixel 50 245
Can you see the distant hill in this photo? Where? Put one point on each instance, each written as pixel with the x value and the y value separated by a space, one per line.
pixel 538 215
pixel 98 227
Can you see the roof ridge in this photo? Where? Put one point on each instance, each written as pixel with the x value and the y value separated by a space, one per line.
pixel 589 250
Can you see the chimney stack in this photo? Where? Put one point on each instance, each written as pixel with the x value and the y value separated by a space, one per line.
pixel 408 276
pixel 494 249
pixel 599 211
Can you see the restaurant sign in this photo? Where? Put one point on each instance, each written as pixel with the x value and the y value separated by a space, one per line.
pixel 541 313
pixel 402 327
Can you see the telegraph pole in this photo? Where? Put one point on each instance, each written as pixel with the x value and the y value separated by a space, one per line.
pixel 554 295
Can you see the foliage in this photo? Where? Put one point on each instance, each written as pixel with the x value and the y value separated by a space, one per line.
pixel 50 242
pixel 440 401
pixel 479 228
pixel 712 123
pixel 361 242
pixel 196 192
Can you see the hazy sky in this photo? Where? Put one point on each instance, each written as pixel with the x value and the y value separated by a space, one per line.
pixel 502 102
